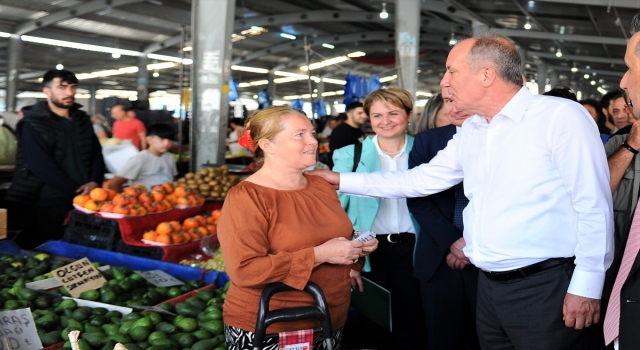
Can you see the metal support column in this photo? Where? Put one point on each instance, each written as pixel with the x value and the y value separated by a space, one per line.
pixel 407 43
pixel 211 41
pixel 92 100
pixel 553 78
pixel 271 85
pixel 542 77
pixel 143 78
pixel 13 74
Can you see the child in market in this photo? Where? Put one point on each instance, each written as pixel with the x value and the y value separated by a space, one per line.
pixel 150 167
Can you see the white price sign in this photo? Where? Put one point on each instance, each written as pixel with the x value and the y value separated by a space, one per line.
pixel 19 329
pixel 160 278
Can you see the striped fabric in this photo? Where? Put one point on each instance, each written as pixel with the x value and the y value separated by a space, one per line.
pixel 612 320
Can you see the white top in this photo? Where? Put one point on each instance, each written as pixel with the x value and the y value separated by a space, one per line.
pixel 327 131
pixel 538 184
pixel 393 214
pixel 148 169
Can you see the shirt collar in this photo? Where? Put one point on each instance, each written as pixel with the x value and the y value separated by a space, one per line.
pixel 513 109
pixel 383 153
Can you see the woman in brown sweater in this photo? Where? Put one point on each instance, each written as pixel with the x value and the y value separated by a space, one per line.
pixel 281 225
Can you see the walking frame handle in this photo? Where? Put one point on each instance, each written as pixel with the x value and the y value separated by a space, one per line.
pixel 266 318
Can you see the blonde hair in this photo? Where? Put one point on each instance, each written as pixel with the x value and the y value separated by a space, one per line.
pixel 266 124
pixel 393 95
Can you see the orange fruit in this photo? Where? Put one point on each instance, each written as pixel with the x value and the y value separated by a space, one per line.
pixel 212 229
pixel 158 188
pixel 157 195
pixel 164 239
pixel 168 188
pixel 145 197
pixel 190 223
pixel 180 191
pixel 110 193
pixel 121 209
pixel 215 214
pixel 107 207
pixel 151 207
pixel 182 200
pixel 177 237
pixel 176 226
pixel 91 205
pixel 195 234
pixel 98 194
pixel 201 219
pixel 150 236
pixel 140 188
pixel 164 228
pixel 81 199
pixel 120 199
pixel 130 191
pixel 203 230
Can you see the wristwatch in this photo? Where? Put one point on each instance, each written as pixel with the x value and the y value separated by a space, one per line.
pixel 629 148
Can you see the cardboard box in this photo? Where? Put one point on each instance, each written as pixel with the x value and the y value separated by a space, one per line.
pixel 3 223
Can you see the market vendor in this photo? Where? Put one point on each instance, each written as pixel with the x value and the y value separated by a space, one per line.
pixel 281 225
pixel 152 166
pixel 58 157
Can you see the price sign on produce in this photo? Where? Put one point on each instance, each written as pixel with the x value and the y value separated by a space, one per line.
pixel 160 278
pixel 79 276
pixel 18 331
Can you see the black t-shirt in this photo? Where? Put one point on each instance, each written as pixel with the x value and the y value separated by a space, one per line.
pixel 344 135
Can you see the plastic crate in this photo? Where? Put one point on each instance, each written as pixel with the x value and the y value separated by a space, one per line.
pixel 143 252
pixel 92 231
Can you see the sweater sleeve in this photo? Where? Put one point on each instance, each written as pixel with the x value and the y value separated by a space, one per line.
pixel 41 164
pixel 243 234
pixel 98 167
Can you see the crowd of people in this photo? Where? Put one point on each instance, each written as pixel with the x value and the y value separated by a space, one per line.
pixel 536 250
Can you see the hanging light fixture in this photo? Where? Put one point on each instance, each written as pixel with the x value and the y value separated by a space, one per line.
pixel 527 25
pixel 59 66
pixel 384 14
pixel 574 69
pixel 559 53
pixel 453 40
pixel 156 74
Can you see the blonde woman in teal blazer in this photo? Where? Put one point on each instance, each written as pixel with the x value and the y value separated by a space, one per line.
pixel 391 265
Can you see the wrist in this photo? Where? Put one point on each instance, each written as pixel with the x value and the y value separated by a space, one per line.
pixel 318 256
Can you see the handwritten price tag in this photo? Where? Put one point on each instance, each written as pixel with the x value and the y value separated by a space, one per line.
pixel 18 327
pixel 365 236
pixel 160 278
pixel 79 276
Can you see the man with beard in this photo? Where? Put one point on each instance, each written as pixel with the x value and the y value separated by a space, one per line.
pixel 58 157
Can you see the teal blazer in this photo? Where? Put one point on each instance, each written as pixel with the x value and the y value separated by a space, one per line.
pixel 363 210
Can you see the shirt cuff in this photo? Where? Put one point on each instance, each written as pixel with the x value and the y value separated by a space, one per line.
pixel 351 183
pixel 302 262
pixel 586 284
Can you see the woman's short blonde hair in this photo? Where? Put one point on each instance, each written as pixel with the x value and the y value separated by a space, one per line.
pixel 393 95
pixel 266 124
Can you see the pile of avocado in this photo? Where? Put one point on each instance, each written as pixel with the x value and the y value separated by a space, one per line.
pixel 127 288
pixel 198 325
pixel 27 268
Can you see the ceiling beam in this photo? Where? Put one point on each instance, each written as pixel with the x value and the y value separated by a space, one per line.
pixel 579 58
pixel 83 9
pixel 444 8
pixel 514 33
pixel 328 16
pixel 633 4
pixel 173 41
pixel 583 70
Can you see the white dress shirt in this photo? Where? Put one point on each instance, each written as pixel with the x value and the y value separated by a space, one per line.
pixel 538 184
pixel 393 213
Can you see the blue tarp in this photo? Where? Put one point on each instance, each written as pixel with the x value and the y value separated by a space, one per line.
pixel 118 259
pixel 297 104
pixel 320 108
pixel 233 90
pixel 8 247
pixel 264 100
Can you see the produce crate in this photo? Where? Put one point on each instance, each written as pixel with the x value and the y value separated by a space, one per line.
pixel 105 257
pixel 92 231
pixel 156 253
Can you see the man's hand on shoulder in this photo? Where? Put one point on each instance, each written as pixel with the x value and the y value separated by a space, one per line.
pixel 634 135
pixel 330 176
pixel 580 312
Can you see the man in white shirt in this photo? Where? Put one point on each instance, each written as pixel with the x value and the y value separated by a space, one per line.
pixel 536 176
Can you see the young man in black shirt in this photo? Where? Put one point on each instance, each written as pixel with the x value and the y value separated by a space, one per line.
pixel 348 133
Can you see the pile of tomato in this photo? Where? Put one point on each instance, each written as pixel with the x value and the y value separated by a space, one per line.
pixel 193 228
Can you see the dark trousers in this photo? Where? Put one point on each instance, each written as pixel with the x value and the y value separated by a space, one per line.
pixel 526 313
pixel 392 268
pixel 449 302
pixel 37 224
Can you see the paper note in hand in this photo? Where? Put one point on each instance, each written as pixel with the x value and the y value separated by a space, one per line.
pixel 365 236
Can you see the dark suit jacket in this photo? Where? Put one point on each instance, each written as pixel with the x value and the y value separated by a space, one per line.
pixel 434 213
pixel 629 295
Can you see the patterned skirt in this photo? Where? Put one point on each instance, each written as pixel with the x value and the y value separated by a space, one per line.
pixel 239 339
